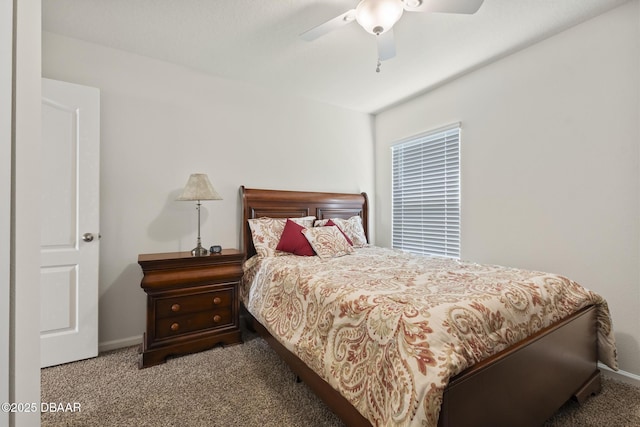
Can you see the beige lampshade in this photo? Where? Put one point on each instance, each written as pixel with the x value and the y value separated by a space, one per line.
pixel 199 188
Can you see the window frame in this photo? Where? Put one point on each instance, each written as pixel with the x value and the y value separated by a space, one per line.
pixel 436 230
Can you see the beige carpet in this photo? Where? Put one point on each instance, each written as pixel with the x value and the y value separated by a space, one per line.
pixel 244 385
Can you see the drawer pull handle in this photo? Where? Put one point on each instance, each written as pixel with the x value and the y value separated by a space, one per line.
pixel 175 326
pixel 217 300
pixel 217 318
pixel 175 307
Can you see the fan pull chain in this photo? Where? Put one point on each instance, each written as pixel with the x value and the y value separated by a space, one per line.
pixel 378 66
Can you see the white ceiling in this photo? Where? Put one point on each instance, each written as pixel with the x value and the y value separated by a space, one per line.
pixel 256 41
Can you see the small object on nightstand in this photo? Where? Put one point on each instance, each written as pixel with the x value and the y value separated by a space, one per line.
pixel 215 249
pixel 193 303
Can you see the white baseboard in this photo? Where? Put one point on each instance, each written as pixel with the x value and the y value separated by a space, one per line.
pixel 116 344
pixel 623 376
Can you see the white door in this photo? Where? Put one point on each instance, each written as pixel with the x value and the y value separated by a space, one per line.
pixel 70 222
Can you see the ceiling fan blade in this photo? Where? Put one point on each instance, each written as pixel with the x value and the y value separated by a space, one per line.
pixel 443 6
pixel 386 45
pixel 332 24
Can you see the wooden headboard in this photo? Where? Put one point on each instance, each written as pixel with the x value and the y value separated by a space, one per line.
pixel 290 204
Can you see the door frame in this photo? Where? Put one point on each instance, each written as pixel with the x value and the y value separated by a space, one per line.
pixel 24 341
pixel 6 120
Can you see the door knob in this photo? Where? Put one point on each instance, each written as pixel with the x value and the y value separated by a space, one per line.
pixel 87 237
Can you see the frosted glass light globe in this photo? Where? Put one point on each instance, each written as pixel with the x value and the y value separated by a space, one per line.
pixel 378 16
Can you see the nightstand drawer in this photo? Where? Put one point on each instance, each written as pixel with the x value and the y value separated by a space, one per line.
pixel 178 325
pixel 206 301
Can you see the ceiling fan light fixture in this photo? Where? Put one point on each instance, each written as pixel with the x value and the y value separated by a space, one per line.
pixel 378 16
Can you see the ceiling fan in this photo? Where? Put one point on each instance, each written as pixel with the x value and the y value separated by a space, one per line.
pixel 379 16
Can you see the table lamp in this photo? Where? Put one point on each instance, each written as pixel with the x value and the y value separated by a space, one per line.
pixel 199 188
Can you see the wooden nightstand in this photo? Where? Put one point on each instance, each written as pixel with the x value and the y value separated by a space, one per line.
pixel 192 303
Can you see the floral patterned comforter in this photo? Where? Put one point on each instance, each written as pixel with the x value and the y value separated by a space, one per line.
pixel 389 329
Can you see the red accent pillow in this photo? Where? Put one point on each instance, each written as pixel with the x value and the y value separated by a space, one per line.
pixel 345 236
pixel 293 241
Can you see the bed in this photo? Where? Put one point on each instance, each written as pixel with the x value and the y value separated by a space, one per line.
pixel 522 384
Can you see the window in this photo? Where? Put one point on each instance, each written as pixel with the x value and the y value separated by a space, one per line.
pixel 426 193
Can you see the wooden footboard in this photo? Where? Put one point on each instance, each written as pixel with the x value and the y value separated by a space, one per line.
pixel 521 386
pixel 527 383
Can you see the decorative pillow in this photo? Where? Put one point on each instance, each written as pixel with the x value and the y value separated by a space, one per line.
pixel 330 222
pixel 352 227
pixel 266 232
pixel 293 241
pixel 328 242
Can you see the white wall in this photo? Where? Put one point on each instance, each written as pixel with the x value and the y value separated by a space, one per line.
pixel 550 161
pixel 161 122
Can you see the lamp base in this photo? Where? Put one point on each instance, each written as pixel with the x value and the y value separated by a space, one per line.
pixel 199 251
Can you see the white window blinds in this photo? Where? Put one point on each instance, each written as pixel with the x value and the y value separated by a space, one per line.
pixel 426 193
